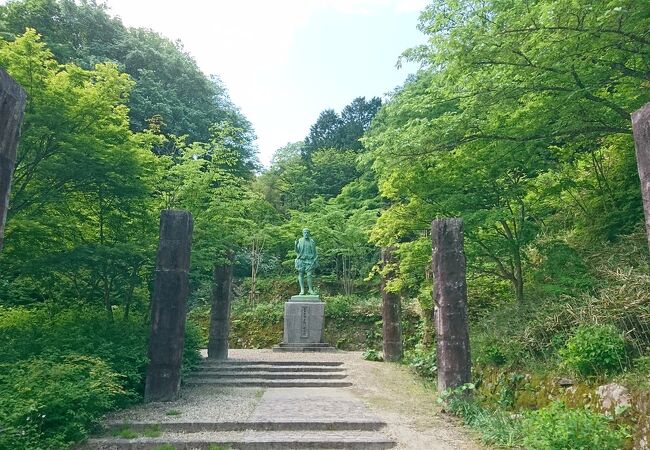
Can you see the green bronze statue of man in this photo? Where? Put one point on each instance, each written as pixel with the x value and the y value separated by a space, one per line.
pixel 306 261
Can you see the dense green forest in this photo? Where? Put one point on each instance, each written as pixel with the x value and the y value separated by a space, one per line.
pixel 518 121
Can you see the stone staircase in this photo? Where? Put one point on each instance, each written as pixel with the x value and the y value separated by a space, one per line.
pixel 306 408
pixel 283 374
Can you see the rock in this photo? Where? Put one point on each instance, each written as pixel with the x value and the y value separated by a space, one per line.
pixel 613 396
pixel 565 382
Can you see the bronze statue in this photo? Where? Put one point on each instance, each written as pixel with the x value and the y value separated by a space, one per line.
pixel 306 261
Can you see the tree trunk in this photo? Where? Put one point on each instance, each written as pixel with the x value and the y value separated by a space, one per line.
pixel 641 130
pixel 220 311
pixel 450 298
pixel 168 307
pixel 390 311
pixel 12 108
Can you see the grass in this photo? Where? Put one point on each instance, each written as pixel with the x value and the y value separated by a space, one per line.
pixel 173 412
pixel 125 433
pixel 152 431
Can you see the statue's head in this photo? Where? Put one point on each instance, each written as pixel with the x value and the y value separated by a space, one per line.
pixel 305 232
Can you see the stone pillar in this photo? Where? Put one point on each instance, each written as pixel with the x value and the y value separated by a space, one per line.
pixel 390 311
pixel 641 131
pixel 450 299
pixel 168 307
pixel 220 311
pixel 12 107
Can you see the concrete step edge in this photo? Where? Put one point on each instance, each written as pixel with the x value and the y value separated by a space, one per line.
pixel 270 363
pixel 273 368
pixel 269 383
pixel 251 425
pixel 269 375
pixel 251 441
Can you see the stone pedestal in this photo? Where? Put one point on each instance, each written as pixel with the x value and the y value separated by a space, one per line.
pixel 303 325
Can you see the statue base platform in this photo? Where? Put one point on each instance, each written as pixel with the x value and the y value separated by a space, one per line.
pixel 303 325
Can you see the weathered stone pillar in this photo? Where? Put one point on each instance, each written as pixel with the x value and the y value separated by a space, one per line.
pixel 168 307
pixel 641 130
pixel 450 298
pixel 12 108
pixel 220 311
pixel 390 311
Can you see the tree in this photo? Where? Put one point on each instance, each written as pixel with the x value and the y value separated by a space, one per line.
pixel 83 181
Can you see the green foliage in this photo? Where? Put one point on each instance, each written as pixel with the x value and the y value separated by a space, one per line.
pixel 594 350
pixel 423 360
pixel 171 94
pixel 372 355
pixel 192 344
pixel 50 403
pixel 34 333
pixel 60 371
pixel 125 432
pixel 495 426
pixel 557 427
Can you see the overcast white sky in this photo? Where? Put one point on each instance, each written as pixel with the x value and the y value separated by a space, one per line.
pixel 284 61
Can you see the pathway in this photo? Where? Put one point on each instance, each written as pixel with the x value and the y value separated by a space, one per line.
pixel 264 400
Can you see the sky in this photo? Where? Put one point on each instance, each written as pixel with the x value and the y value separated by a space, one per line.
pixel 285 61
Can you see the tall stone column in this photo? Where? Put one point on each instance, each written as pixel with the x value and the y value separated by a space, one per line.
pixel 168 307
pixel 390 311
pixel 450 298
pixel 641 130
pixel 12 107
pixel 220 311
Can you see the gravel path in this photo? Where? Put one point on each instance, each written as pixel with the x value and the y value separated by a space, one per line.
pixel 197 404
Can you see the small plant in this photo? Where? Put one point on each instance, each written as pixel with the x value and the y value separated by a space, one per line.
pixel 372 355
pixel 173 412
pixel 152 431
pixel 494 355
pixel 219 447
pixel 557 427
pixel 166 447
pixel 595 350
pixel 423 361
pixel 125 433
pixel 494 425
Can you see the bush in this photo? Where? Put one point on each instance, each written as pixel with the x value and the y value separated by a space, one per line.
pixel 495 426
pixel 28 333
pixel 423 361
pixel 372 355
pixel 556 427
pixel 52 403
pixel 60 371
pixel 595 350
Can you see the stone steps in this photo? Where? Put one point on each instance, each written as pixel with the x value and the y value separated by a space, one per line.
pixel 343 424
pixel 242 362
pixel 268 375
pixel 260 382
pixel 260 368
pixel 238 373
pixel 250 440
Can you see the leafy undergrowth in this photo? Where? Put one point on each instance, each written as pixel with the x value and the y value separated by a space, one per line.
pixel 554 427
pixel 61 371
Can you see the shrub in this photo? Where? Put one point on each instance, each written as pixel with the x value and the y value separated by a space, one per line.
pixel 594 350
pixel 423 361
pixel 492 354
pixel 28 333
pixel 372 355
pixel 557 427
pixel 52 403
pixel 495 426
